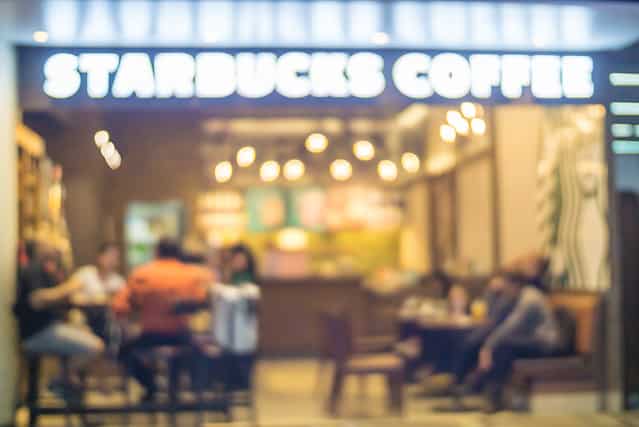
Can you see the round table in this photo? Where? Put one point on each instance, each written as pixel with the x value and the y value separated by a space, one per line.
pixel 440 338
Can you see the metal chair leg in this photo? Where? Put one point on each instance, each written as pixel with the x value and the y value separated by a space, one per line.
pixel 33 390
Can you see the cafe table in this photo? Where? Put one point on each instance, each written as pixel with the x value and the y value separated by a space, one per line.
pixel 441 338
pixel 97 315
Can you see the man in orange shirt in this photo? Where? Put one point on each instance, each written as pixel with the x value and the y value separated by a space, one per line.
pixel 152 293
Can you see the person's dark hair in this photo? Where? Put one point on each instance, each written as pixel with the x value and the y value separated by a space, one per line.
pixel 106 247
pixel 31 249
pixel 193 258
pixel 540 280
pixel 445 281
pixel 250 259
pixel 168 249
pixel 524 280
pixel 515 278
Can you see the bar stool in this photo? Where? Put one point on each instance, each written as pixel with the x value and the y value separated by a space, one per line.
pixel 34 365
pixel 168 360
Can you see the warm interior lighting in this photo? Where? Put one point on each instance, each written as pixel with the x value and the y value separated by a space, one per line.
pixel 462 127
pixel 294 169
pixel 115 161
pixel 410 162
pixel 269 171
pixel 453 116
pixel 245 156
pixel 223 171
pixel 387 170
pixel 447 133
pixel 40 36
pixel 460 124
pixel 341 170
pixel 364 150
pixel 478 126
pixel 101 137
pixel 469 110
pixel 596 111
pixel 316 142
pixel 107 150
pixel 291 239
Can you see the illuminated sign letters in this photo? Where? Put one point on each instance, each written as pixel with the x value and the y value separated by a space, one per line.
pixel 319 75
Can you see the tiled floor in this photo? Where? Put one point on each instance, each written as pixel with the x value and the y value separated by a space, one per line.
pixel 288 395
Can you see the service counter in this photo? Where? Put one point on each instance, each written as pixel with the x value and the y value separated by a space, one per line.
pixel 289 313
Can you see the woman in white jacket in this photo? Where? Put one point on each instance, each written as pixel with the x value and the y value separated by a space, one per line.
pixel 235 317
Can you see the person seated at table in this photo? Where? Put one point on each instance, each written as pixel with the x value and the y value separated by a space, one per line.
pixel 98 283
pixel 458 303
pixel 152 293
pixel 532 269
pixel 499 303
pixel 42 327
pixel 529 330
pixel 95 285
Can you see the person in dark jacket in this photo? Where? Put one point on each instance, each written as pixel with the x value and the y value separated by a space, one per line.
pixel 499 304
pixel 43 330
pixel 529 330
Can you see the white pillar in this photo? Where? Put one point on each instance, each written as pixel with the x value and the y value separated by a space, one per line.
pixel 8 216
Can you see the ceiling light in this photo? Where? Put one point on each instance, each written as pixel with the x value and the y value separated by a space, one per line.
pixel 341 169
pixel 364 150
pixel 223 171
pixel 478 126
pixel 453 117
pixel 107 150
pixel 380 38
pixel 469 110
pixel 40 36
pixel 462 127
pixel 101 137
pixel 410 162
pixel 269 171
pixel 447 133
pixel 245 156
pixel 387 170
pixel 115 161
pixel 294 169
pixel 316 143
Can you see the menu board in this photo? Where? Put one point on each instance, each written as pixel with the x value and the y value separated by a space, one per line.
pixel 307 208
pixel 313 208
pixel 359 207
pixel 221 216
pixel 266 208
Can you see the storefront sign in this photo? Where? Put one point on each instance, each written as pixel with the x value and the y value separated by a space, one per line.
pixel 297 74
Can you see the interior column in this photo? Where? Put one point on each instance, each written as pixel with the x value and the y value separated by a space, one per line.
pixel 8 217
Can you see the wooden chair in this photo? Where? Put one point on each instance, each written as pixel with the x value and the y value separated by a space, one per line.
pixel 342 348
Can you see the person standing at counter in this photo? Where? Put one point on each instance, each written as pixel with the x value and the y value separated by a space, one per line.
pixel 235 322
pixel 243 269
pixel 152 292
